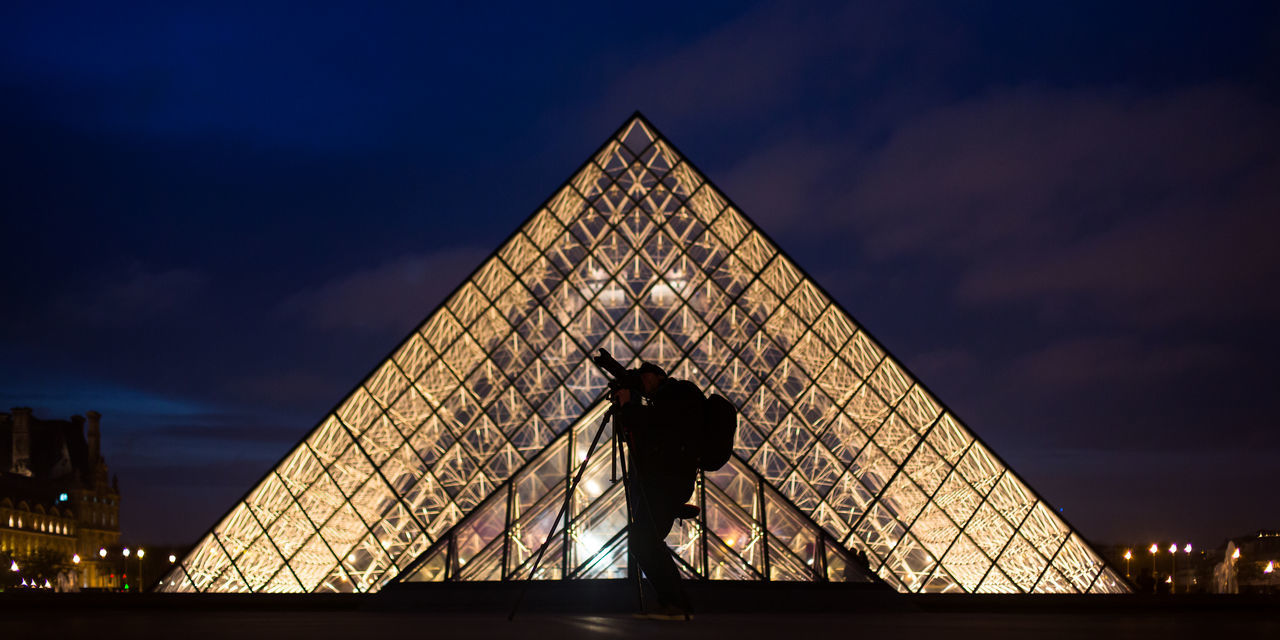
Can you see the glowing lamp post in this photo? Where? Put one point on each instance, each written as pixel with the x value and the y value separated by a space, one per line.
pixel 1173 567
pixel 1128 555
pixel 141 584
pixel 1154 550
pixel 14 566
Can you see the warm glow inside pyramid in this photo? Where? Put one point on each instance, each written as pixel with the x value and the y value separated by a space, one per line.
pixel 451 459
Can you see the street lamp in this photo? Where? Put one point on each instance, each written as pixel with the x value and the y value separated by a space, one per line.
pixel 172 558
pixel 1173 566
pixel 1236 555
pixel 1154 550
pixel 126 552
pixel 75 558
pixel 14 567
pixel 102 553
pixel 1128 555
pixel 141 583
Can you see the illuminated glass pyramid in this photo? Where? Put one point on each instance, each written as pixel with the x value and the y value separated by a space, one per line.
pixel 442 463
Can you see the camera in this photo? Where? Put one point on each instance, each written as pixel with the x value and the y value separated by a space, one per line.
pixel 619 377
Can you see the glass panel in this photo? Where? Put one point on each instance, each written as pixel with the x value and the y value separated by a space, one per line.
pixel 312 563
pixel 414 356
pixel 433 569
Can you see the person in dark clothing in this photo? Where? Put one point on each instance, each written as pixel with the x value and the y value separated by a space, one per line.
pixel 663 472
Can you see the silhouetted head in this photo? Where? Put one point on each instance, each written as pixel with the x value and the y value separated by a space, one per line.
pixel 651 375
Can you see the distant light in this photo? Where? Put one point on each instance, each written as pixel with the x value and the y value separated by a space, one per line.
pixel 14 567
pixel 1187 548
pixel 126 552
pixel 76 558
pixel 1236 555
pixel 141 553
pixel 62 497
pixel 1127 554
pixel 102 553
pixel 172 558
pixel 1169 580
pixel 46 584
pixel 1173 548
pixel 1154 548
pixel 1271 566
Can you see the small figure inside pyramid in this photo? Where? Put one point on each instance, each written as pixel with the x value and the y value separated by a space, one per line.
pixel 450 459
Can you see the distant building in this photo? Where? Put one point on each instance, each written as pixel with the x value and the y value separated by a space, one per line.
pixel 56 501
pixel 1249 564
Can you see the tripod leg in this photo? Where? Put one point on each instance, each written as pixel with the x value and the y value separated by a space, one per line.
pixel 626 488
pixel 564 508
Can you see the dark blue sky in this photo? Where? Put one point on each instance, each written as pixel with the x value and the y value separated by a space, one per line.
pixel 218 217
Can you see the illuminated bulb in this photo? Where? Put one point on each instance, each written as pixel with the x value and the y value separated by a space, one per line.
pixel 126 552
pixel 1236 555
pixel 1169 580
pixel 1173 548
pixel 1127 554
pixel 1187 548
pixel 1154 548
pixel 1271 566
pixel 141 553
pixel 14 567
pixel 730 542
pixel 172 558
pixel 102 553
pixel 46 584
pixel 75 558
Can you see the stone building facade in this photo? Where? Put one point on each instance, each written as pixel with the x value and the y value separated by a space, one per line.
pixel 57 499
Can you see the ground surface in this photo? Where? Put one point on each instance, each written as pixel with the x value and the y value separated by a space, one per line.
pixel 194 625
pixel 574 609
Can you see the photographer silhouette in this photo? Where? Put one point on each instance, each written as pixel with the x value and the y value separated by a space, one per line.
pixel 662 436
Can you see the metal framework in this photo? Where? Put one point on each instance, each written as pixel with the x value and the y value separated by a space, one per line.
pixel 639 254
pixel 745 530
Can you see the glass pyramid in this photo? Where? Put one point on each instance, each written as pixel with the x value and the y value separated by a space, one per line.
pixel 639 254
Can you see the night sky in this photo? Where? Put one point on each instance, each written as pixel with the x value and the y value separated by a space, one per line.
pixel 1062 217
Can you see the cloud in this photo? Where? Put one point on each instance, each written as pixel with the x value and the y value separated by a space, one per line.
pixel 386 297
pixel 1155 208
pixel 1104 361
pixel 138 296
pixel 777 55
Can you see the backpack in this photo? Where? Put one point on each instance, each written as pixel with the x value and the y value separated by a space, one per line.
pixel 719 424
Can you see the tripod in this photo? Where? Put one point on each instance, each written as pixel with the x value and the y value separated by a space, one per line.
pixel 619 461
